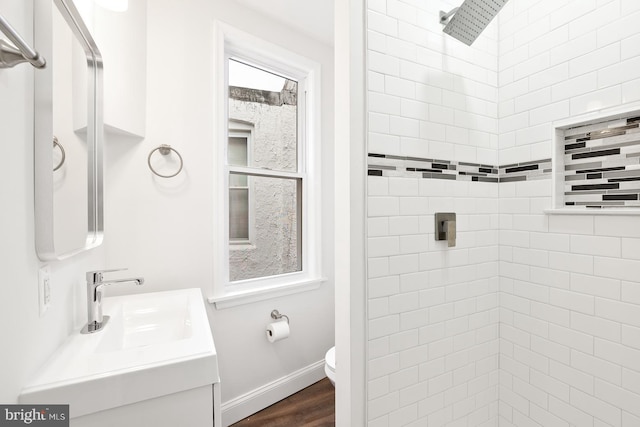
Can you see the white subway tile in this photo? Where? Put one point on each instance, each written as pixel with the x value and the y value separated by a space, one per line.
pixel 560 316
pixel 378 123
pixel 545 418
pixel 413 356
pixel 432 131
pixel 402 11
pixel 597 286
pixel 570 413
pixel 618 397
pixel 571 262
pixel 617 353
pixel 413 206
pixel 629 420
pixel 623 226
pixel 378 347
pixel 378 267
pixel 631 292
pixel 378 307
pixel 404 415
pixel 403 186
pixel 383 246
pixel 413 281
pixel 574 48
pixel 399 87
pixel 549 113
pixel 533 99
pixel 378 387
pixel 401 49
pixel 382 405
pixel 597 100
pixel 617 268
pixel 620 72
pixel 618 30
pixel 403 126
pixel 618 311
pixel 382 143
pixel 598 17
pixel 383 103
pixel 383 64
pixel 600 368
pixel 571 11
pixel 631 248
pixel 552 350
pixel 382 23
pixel 572 224
pixel 383 286
pixel 383 326
pixel 596 245
pixel 375 82
pixel 550 241
pixel 596 326
pixel 415 243
pixel 631 46
pixel 403 303
pixel 548 277
pixel 415 109
pixel 574 86
pixel 578 380
pixel 414 319
pixel 550 385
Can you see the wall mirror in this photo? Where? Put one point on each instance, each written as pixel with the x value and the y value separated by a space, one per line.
pixel 68 148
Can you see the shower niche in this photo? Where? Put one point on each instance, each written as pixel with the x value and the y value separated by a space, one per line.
pixel 597 165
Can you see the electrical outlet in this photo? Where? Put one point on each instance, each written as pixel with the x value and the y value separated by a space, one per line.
pixel 44 289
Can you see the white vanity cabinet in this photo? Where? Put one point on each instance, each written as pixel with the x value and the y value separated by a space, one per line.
pixel 153 364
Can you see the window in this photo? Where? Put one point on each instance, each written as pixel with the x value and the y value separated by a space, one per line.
pixel 267 234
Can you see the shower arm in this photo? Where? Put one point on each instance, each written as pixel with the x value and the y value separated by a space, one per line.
pixel 444 16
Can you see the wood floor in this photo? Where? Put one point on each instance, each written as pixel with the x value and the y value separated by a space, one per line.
pixel 313 406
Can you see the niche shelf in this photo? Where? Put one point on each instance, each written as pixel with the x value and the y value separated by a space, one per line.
pixel 596 165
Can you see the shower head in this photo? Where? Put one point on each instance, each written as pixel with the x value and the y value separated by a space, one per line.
pixel 470 19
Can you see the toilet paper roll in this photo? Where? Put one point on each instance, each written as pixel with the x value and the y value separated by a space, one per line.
pixel 277 331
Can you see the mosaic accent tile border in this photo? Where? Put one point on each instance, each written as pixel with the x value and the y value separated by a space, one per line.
pixel 416 167
pixel 602 164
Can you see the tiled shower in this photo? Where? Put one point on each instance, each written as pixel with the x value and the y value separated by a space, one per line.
pixel 533 318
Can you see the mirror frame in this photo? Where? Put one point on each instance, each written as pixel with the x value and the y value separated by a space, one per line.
pixel 43 131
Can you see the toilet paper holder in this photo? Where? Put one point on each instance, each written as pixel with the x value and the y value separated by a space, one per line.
pixel 275 314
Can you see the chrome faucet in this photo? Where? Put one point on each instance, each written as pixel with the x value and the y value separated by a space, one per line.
pixel 95 286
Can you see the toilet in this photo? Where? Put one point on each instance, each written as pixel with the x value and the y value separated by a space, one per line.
pixel 330 365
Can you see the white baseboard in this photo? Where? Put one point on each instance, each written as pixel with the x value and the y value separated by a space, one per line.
pixel 249 403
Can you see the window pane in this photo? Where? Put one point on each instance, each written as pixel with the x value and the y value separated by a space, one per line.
pixel 237 152
pixel 239 213
pixel 269 102
pixel 276 238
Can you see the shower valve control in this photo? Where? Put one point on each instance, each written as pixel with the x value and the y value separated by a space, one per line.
pixel 445 227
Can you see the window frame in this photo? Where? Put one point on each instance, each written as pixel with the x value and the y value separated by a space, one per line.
pixel 233 43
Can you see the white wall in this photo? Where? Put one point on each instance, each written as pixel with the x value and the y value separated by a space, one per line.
pixel 569 289
pixel 160 229
pixel 28 339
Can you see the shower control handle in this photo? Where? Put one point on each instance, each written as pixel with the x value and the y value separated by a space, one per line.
pixel 445 227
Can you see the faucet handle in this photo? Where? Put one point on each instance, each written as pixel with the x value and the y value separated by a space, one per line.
pixel 96 275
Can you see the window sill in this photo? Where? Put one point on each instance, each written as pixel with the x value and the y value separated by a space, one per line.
pixel 234 299
pixel 607 211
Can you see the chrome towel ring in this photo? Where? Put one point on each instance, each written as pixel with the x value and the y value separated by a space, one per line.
pixel 64 156
pixel 165 150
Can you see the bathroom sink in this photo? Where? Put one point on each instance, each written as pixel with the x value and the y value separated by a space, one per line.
pixel 154 344
pixel 152 321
